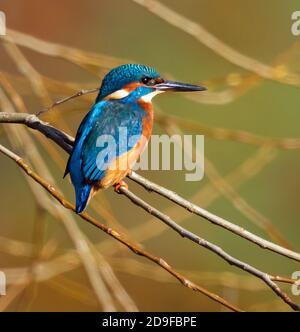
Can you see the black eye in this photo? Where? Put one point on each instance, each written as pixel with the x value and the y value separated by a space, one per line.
pixel 145 79
pixel 148 80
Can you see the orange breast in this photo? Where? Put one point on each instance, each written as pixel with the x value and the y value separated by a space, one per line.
pixel 121 166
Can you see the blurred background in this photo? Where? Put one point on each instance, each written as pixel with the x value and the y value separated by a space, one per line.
pixel 250 119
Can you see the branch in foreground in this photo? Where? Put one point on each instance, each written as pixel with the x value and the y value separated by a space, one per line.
pixel 193 208
pixel 210 246
pixel 32 121
pixel 66 142
pixel 219 251
pixel 113 233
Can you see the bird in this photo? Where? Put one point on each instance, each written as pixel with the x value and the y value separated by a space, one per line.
pixel 123 101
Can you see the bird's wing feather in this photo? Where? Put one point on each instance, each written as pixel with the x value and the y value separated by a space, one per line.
pixel 118 122
pixel 82 132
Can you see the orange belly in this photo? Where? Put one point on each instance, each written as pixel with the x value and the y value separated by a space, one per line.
pixel 121 166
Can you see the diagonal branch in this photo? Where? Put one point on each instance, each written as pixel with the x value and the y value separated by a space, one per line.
pixel 113 233
pixel 61 101
pixel 66 142
pixel 32 121
pixel 210 246
pixel 216 220
pixel 222 49
pixel 166 219
pixel 218 133
pixel 20 139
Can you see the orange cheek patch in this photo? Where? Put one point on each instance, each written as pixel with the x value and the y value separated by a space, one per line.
pixel 131 86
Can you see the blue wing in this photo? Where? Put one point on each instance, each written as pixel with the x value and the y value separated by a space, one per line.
pixel 89 158
pixel 118 122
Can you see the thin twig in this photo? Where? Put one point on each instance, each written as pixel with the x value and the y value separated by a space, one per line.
pixel 61 101
pixel 89 257
pixel 113 233
pixel 65 141
pixel 20 138
pixel 210 246
pixel 86 60
pixel 226 279
pixel 264 276
pixel 216 45
pixel 145 231
pixel 25 67
pixel 134 267
pixel 71 54
pixel 69 145
pixel 193 208
pixel 32 121
pixel 218 133
pixel 231 194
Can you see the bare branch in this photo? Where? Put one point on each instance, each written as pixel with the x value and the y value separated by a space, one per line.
pixel 94 62
pixel 113 233
pixel 32 121
pixel 210 246
pixel 61 101
pixel 20 139
pixel 240 136
pixel 216 45
pixel 65 141
pixel 71 54
pixel 216 220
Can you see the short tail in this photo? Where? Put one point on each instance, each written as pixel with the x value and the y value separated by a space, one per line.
pixel 82 197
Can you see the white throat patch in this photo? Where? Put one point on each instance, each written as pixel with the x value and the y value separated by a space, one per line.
pixel 122 93
pixel 119 94
pixel 148 97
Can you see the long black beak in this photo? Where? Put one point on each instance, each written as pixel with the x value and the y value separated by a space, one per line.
pixel 177 86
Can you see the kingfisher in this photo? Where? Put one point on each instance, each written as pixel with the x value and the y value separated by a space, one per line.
pixel 116 130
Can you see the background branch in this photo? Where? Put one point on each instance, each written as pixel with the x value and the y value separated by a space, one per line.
pixel 216 220
pixel 113 233
pixel 210 246
pixel 66 142
pixel 222 90
pixel 182 231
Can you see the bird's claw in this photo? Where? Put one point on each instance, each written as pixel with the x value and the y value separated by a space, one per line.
pixel 118 186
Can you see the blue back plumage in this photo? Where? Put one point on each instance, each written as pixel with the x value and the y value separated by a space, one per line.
pixel 118 121
pixel 87 163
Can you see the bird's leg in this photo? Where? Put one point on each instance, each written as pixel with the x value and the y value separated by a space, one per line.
pixel 119 185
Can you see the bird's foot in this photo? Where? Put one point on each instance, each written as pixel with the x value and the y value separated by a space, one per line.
pixel 119 185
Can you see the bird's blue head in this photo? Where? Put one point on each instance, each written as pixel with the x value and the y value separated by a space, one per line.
pixel 138 81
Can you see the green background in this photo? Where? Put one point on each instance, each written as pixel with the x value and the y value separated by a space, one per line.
pixel 123 29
